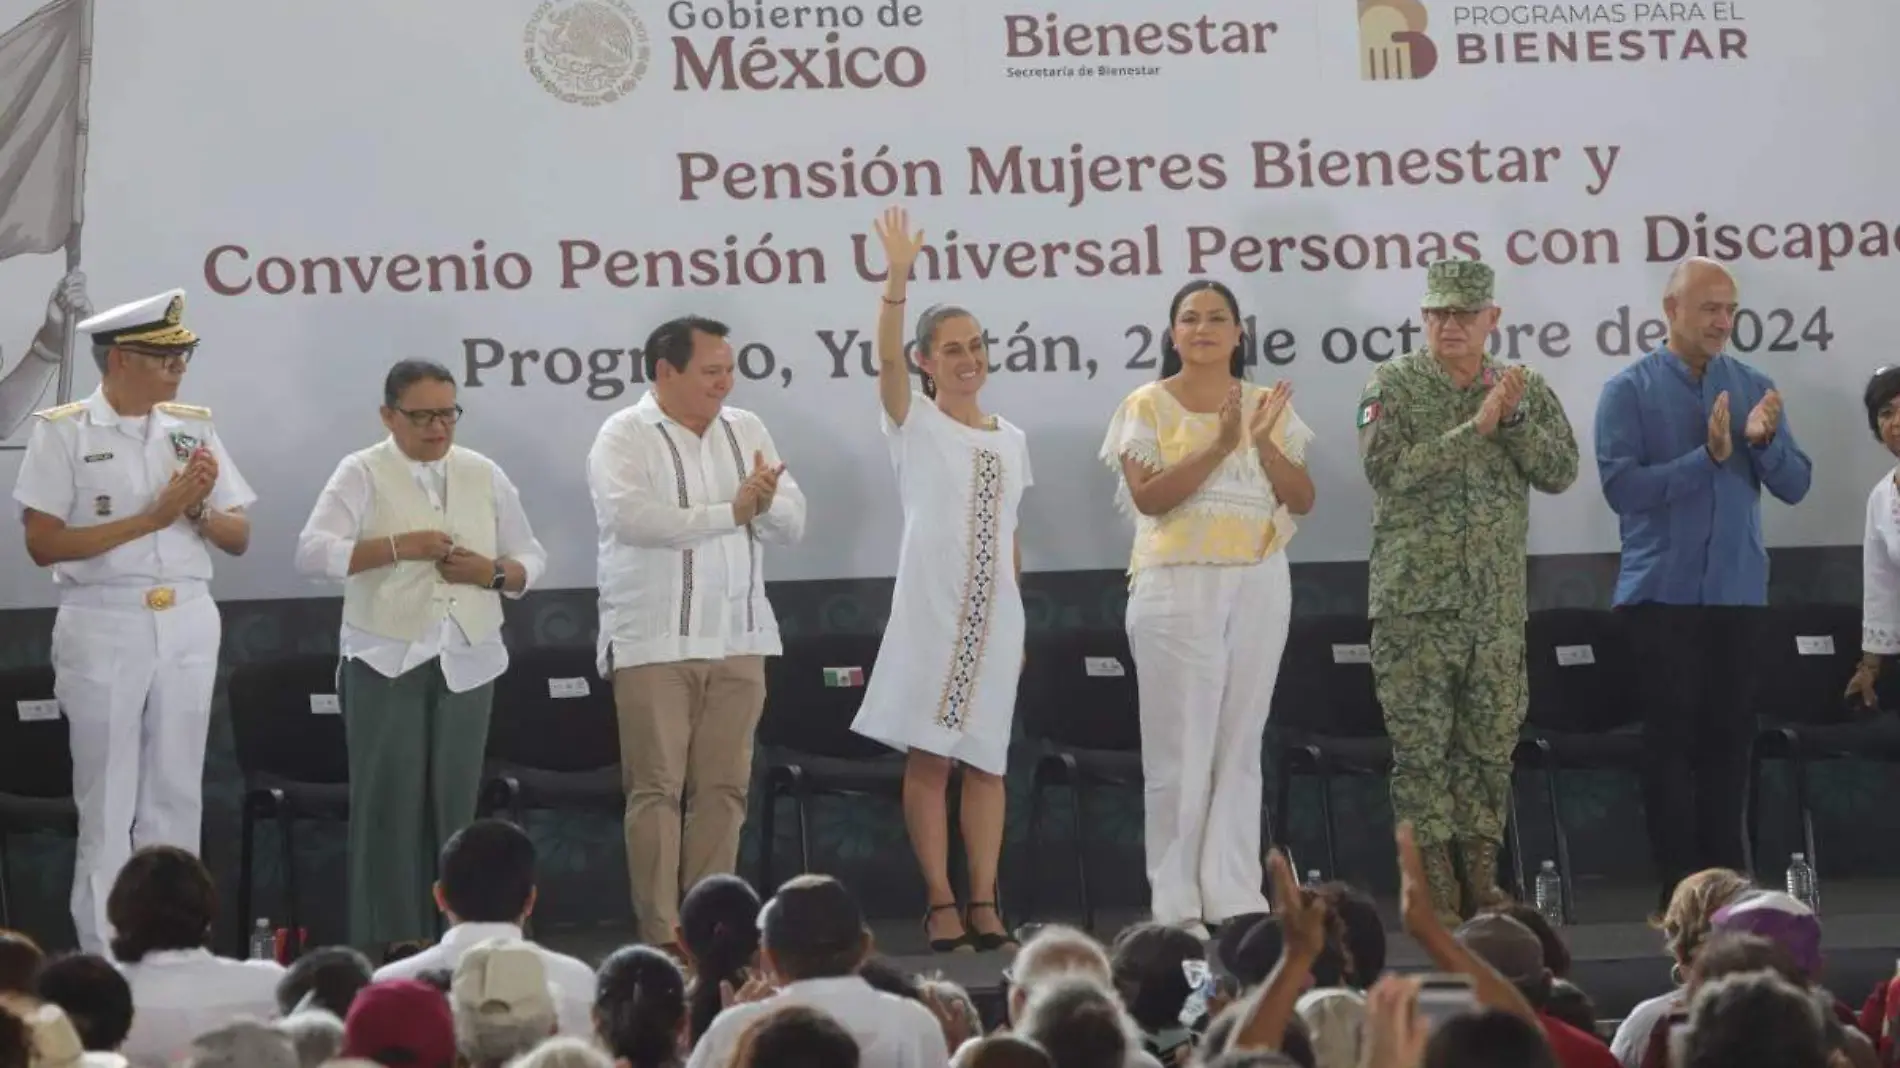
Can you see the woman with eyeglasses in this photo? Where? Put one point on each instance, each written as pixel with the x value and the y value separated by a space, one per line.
pixel 426 537
pixel 1880 546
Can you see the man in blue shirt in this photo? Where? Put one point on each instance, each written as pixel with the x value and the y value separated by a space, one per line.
pixel 1685 482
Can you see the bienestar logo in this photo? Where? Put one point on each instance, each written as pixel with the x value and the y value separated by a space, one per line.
pixel 1062 44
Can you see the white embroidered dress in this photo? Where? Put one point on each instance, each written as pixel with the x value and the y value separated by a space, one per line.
pixel 1880 570
pixel 945 679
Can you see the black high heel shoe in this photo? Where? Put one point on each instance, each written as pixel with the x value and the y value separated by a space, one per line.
pixel 987 942
pixel 961 942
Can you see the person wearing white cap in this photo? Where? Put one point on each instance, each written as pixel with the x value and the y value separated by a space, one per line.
pixel 502 1001
pixel 123 496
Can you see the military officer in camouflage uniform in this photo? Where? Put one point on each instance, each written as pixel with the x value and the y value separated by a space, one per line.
pixel 1452 441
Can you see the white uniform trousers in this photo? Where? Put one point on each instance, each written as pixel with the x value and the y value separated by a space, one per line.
pixel 135 685
pixel 1207 642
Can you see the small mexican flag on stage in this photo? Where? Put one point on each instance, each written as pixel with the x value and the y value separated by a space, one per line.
pixel 844 676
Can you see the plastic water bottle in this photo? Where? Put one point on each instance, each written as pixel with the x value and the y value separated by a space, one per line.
pixel 263 942
pixel 1802 884
pixel 1550 894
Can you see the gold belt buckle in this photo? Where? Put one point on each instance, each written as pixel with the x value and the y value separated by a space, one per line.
pixel 159 598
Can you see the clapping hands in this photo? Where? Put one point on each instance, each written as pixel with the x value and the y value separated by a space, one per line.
pixel 1266 414
pixel 1502 401
pixel 1763 419
pixel 756 492
pixel 1721 443
pixel 188 489
pixel 1232 425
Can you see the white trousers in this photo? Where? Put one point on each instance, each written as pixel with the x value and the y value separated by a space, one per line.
pixel 1207 642
pixel 135 686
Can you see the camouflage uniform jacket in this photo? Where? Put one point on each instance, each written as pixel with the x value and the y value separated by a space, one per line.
pixel 1451 508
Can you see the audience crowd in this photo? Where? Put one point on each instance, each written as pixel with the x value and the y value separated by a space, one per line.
pixel 795 981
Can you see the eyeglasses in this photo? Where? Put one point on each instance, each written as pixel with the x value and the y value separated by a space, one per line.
pixel 422 417
pixel 163 356
pixel 1461 316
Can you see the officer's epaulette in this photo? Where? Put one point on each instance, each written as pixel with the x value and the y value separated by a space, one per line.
pixel 61 411
pixel 189 411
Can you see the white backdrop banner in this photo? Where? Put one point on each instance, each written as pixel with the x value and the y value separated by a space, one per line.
pixel 522 189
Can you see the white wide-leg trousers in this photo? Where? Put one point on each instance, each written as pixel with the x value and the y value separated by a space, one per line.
pixel 1207 642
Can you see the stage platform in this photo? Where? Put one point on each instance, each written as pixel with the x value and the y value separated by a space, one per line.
pixel 1616 957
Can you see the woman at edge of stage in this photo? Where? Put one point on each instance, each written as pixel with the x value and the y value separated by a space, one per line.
pixel 1213 471
pixel 944 688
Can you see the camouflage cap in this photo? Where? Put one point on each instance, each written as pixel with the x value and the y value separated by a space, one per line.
pixel 1462 284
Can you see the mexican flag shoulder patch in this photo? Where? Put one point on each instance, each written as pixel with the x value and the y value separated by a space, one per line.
pixel 1369 413
pixel 844 676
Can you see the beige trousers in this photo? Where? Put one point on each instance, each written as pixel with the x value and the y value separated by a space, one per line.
pixel 685 762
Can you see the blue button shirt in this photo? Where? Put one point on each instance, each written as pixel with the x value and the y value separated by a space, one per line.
pixel 1691 528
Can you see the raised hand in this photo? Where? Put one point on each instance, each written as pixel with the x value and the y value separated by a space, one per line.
pixel 1302 919
pixel 1763 419
pixel 1394 1032
pixel 901 245
pixel 1720 441
pixel 757 988
pixel 1230 422
pixel 956 1027
pixel 1416 910
pixel 1267 413
pixel 69 298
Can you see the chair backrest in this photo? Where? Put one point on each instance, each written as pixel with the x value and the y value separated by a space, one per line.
pixel 35 756
pixel 1806 653
pixel 812 693
pixel 1582 673
pixel 1078 691
pixel 1325 684
pixel 286 719
pixel 553 712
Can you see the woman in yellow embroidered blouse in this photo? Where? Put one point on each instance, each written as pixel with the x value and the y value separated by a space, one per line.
pixel 1213 471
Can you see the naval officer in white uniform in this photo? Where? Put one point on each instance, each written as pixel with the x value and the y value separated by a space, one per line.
pixel 123 495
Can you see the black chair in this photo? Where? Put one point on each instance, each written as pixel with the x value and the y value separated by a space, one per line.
pixel 812 693
pixel 1078 701
pixel 36 768
pixel 1326 719
pixel 1584 713
pixel 554 737
pixel 290 746
pixel 1806 655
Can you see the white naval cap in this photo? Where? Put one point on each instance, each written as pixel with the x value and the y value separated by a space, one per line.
pixel 155 322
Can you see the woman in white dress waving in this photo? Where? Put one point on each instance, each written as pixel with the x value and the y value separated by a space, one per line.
pixel 944 686
pixel 1213 468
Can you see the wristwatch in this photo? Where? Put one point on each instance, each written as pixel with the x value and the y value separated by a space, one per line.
pixel 196 512
pixel 500 579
